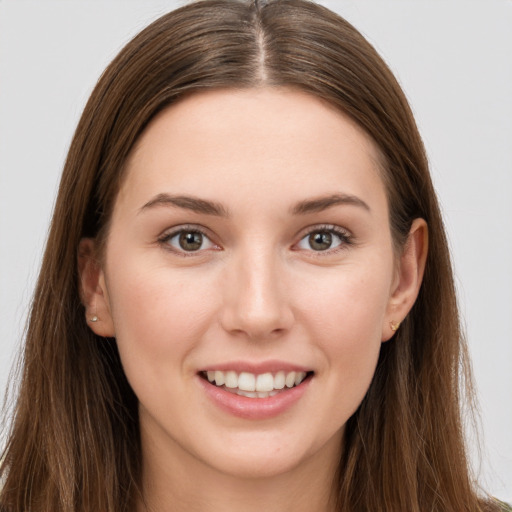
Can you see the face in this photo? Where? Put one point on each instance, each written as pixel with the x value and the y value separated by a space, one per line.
pixel 249 254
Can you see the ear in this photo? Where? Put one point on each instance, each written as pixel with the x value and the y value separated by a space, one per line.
pixel 93 290
pixel 409 275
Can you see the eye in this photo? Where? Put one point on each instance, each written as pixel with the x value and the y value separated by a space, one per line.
pixel 324 239
pixel 187 240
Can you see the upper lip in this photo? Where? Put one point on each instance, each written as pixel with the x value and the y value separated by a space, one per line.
pixel 257 368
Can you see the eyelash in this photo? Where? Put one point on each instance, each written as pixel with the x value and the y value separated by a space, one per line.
pixel 346 239
pixel 166 237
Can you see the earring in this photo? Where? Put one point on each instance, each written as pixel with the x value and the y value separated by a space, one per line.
pixel 394 326
pixel 94 318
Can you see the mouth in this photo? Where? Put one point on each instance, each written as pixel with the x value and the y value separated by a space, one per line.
pixel 251 385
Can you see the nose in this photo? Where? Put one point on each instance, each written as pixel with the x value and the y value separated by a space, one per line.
pixel 256 301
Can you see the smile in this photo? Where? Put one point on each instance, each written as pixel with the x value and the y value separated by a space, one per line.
pixel 252 385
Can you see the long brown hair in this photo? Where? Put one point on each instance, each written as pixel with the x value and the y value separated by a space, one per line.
pixel 73 444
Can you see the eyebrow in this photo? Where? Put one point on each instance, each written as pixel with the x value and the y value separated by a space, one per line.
pixel 322 203
pixel 207 207
pixel 191 203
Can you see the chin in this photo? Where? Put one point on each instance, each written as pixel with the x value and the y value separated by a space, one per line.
pixel 260 465
pixel 267 454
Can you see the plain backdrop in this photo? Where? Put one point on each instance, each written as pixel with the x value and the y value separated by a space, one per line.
pixel 454 60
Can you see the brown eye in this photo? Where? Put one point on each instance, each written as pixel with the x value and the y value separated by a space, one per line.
pixel 187 241
pixel 320 240
pixel 325 239
pixel 190 240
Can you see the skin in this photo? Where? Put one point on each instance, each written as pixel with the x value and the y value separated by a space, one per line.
pixel 256 290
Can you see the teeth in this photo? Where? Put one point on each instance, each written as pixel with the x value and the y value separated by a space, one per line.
pixel 279 380
pixel 247 382
pixel 265 382
pixel 255 386
pixel 231 380
pixel 219 378
pixel 250 394
pixel 290 380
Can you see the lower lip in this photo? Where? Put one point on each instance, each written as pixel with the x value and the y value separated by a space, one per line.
pixel 254 408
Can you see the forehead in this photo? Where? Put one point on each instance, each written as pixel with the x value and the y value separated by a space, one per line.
pixel 253 141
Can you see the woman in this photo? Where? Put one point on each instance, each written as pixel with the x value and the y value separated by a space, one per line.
pixel 246 298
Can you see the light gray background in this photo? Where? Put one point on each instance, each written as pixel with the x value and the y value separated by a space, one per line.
pixel 454 60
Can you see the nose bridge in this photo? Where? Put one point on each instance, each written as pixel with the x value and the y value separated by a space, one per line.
pixel 255 301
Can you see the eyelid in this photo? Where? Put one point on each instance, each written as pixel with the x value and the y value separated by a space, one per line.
pixel 344 234
pixel 170 233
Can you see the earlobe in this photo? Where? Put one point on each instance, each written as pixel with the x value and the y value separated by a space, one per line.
pixel 93 290
pixel 409 276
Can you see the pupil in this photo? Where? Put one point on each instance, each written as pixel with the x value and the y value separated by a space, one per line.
pixel 320 241
pixel 191 241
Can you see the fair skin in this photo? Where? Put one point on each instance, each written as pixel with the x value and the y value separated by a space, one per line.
pixel 287 265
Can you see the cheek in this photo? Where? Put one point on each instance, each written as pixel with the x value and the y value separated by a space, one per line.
pixel 157 312
pixel 349 305
pixel 345 314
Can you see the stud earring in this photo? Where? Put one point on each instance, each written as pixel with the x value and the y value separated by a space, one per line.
pixel 94 318
pixel 394 326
